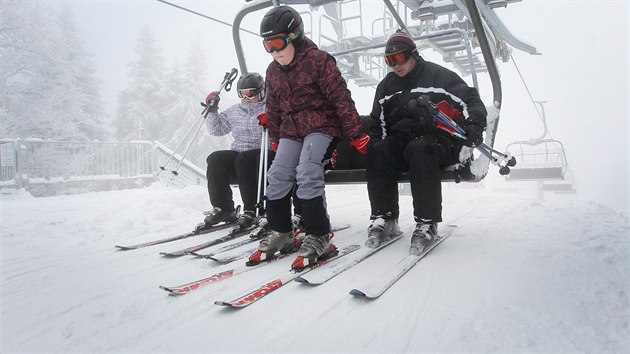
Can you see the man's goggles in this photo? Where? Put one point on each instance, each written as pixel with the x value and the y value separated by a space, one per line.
pixel 248 93
pixel 279 42
pixel 397 58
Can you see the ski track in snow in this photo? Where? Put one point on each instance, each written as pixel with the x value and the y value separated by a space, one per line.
pixel 516 275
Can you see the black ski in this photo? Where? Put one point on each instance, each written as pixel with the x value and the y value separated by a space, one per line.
pixel 178 237
pixel 232 235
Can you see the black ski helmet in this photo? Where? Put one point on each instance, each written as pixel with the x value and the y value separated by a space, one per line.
pixel 252 81
pixel 282 19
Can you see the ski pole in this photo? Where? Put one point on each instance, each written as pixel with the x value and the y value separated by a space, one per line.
pixel 266 165
pixel 226 85
pixel 460 133
pixel 262 162
pixel 198 121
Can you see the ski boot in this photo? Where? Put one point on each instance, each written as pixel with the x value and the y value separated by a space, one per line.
pixel 380 230
pixel 423 236
pixel 298 225
pixel 218 215
pixel 313 249
pixel 245 221
pixel 261 230
pixel 275 241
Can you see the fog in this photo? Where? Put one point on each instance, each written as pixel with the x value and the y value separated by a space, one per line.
pixel 582 72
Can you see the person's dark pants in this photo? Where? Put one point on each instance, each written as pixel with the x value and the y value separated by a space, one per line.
pixel 227 165
pixel 424 158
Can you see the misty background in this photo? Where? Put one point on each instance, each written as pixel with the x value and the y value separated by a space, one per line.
pixel 137 70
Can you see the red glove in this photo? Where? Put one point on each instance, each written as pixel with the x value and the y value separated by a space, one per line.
pixel 361 144
pixel 263 120
pixel 212 101
pixel 274 146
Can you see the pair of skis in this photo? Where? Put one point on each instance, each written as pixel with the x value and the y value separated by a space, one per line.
pixel 194 249
pixel 178 237
pixel 376 287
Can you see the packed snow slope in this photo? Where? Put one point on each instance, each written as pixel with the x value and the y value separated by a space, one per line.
pixel 518 275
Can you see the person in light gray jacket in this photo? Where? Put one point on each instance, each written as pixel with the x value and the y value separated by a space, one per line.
pixel 242 160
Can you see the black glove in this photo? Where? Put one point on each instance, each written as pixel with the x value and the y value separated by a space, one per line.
pixel 474 134
pixel 422 110
pixel 212 101
pixel 406 128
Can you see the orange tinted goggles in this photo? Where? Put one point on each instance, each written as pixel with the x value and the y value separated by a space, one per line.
pixel 249 93
pixel 276 43
pixel 397 58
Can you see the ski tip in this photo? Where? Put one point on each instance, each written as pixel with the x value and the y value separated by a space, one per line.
pixel 341 227
pixel 170 255
pixel 170 291
pixel 300 280
pixel 357 293
pixel 122 248
pixel 223 303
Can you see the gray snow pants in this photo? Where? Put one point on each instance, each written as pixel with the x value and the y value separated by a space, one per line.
pixel 300 162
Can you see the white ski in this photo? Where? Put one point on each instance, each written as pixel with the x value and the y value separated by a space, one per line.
pixel 331 270
pixel 377 287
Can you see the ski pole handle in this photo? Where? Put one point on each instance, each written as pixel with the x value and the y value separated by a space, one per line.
pixel 228 80
pixel 226 85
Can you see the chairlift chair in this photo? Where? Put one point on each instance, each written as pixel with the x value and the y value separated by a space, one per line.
pixel 543 160
pixel 483 26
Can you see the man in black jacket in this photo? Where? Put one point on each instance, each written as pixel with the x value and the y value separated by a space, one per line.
pixel 405 137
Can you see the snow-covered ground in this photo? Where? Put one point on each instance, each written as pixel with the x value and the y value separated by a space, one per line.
pixel 518 275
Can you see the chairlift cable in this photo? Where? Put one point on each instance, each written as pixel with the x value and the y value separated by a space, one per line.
pixel 527 89
pixel 540 115
pixel 204 16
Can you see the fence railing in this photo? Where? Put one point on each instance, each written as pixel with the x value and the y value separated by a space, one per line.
pixel 34 163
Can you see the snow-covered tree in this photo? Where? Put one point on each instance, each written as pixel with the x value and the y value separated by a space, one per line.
pixel 85 104
pixel 187 87
pixel 47 83
pixel 25 34
pixel 141 105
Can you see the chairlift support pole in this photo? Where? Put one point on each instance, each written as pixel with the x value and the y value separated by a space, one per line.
pixel 396 15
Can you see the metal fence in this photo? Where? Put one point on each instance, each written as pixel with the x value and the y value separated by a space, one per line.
pixel 40 164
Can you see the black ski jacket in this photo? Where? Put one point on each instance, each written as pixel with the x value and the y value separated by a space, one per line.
pixel 393 94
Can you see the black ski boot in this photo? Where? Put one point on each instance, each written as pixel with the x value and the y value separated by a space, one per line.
pixel 245 221
pixel 380 230
pixel 218 215
pixel 261 230
pixel 423 236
